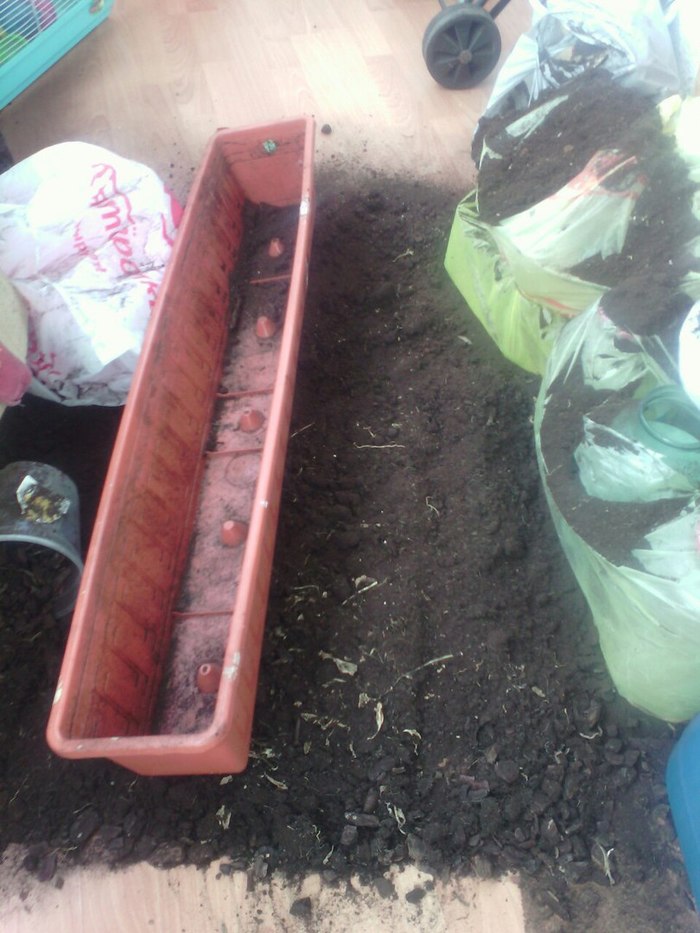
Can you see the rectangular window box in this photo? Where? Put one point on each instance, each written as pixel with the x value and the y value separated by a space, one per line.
pixel 167 587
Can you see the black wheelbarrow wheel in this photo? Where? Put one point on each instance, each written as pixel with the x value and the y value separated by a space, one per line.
pixel 461 46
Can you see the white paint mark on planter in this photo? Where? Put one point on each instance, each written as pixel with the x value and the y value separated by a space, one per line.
pixel 230 672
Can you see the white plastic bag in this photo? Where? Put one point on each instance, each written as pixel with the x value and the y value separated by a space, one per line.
pixel 613 467
pixel 689 353
pixel 607 367
pixel 673 550
pixel 85 236
pixel 587 217
pixel 682 118
pixel 634 40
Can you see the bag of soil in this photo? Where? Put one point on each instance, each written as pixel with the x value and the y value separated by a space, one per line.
pixel 513 274
pixel 627 515
pixel 505 290
pixel 527 256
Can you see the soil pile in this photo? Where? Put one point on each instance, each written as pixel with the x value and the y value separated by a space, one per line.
pixel 431 688
pixel 597 113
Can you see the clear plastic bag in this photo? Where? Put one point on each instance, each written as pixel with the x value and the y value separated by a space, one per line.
pixel 634 40
pixel 613 467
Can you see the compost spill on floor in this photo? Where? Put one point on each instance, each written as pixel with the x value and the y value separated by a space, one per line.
pixel 431 688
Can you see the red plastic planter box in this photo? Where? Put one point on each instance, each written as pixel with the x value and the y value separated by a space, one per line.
pixel 170 597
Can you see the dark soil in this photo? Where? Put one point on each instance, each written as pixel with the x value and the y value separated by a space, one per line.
pixel 431 689
pixel 30 637
pixel 598 114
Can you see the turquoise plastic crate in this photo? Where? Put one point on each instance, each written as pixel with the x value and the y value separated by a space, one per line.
pixel 34 34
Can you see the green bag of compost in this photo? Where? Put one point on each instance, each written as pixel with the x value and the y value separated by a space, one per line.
pixel 522 304
pixel 626 506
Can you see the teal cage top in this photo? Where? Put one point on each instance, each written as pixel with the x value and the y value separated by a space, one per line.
pixel 34 34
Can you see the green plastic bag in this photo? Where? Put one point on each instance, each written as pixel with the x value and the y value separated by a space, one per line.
pixel 514 274
pixel 647 615
pixel 495 278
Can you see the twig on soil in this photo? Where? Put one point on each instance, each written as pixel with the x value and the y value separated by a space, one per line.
pixel 431 506
pixel 376 446
pixel 398 815
pixel 305 428
pixel 223 816
pixel 604 863
pixel 379 719
pixel 324 722
pixel 444 657
pixel 370 583
pixel 17 792
pixel 266 754
pixel 416 736
pixel 300 594
pixel 280 785
pixel 327 858
pixel 345 667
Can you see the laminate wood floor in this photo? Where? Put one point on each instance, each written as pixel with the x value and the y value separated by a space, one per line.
pixel 156 79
